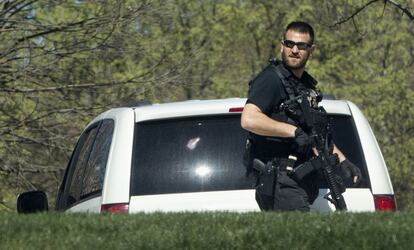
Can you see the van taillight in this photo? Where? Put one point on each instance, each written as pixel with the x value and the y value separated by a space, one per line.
pixel 385 203
pixel 235 110
pixel 115 208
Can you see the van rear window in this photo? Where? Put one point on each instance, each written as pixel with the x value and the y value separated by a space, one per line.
pixel 204 154
pixel 189 155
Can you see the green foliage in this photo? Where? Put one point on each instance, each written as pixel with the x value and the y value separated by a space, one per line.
pixel 63 62
pixel 369 64
pixel 208 231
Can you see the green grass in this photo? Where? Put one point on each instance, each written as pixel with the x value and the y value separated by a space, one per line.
pixel 268 230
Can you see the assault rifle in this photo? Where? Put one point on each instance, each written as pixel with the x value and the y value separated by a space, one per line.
pixel 314 121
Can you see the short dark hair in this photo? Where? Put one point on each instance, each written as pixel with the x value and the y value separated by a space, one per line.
pixel 301 27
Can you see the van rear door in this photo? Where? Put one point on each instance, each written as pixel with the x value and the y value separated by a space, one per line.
pixel 195 164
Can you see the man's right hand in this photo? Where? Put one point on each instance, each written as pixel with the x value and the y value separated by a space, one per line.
pixel 303 143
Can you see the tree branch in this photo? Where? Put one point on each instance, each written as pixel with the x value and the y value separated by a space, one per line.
pixel 353 14
pixel 356 12
pixel 405 10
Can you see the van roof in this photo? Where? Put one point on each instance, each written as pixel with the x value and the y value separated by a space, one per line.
pixel 202 108
pixel 213 107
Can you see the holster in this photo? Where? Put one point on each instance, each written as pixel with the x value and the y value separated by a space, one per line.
pixel 267 176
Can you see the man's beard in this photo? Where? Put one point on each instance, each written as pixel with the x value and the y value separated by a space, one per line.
pixel 300 65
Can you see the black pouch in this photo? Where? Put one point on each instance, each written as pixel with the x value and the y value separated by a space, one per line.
pixel 301 171
pixel 315 164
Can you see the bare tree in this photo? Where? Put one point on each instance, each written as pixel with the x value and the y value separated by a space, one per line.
pixel 62 62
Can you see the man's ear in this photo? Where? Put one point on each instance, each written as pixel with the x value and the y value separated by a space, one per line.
pixel 312 48
pixel 281 47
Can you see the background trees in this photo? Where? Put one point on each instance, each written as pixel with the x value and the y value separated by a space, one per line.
pixel 64 61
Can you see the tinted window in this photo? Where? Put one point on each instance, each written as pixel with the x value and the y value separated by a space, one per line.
pixel 189 155
pixel 79 164
pixel 89 162
pixel 346 138
pixel 205 154
pixel 95 169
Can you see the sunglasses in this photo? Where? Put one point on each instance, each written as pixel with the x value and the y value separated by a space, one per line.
pixel 301 45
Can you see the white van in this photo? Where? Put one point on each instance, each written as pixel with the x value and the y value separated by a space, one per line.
pixel 187 156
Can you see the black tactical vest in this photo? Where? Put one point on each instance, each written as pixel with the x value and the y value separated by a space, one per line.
pixel 293 88
pixel 266 148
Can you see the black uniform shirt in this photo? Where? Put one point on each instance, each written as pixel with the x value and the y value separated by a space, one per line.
pixel 267 91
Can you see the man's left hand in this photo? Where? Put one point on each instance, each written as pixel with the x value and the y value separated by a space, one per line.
pixel 351 171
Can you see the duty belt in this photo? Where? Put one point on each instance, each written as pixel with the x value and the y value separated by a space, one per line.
pixel 282 164
pixel 285 164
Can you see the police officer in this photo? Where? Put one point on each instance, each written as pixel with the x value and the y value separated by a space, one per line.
pixel 274 135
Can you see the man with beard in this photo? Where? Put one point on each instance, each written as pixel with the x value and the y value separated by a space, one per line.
pixel 274 136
